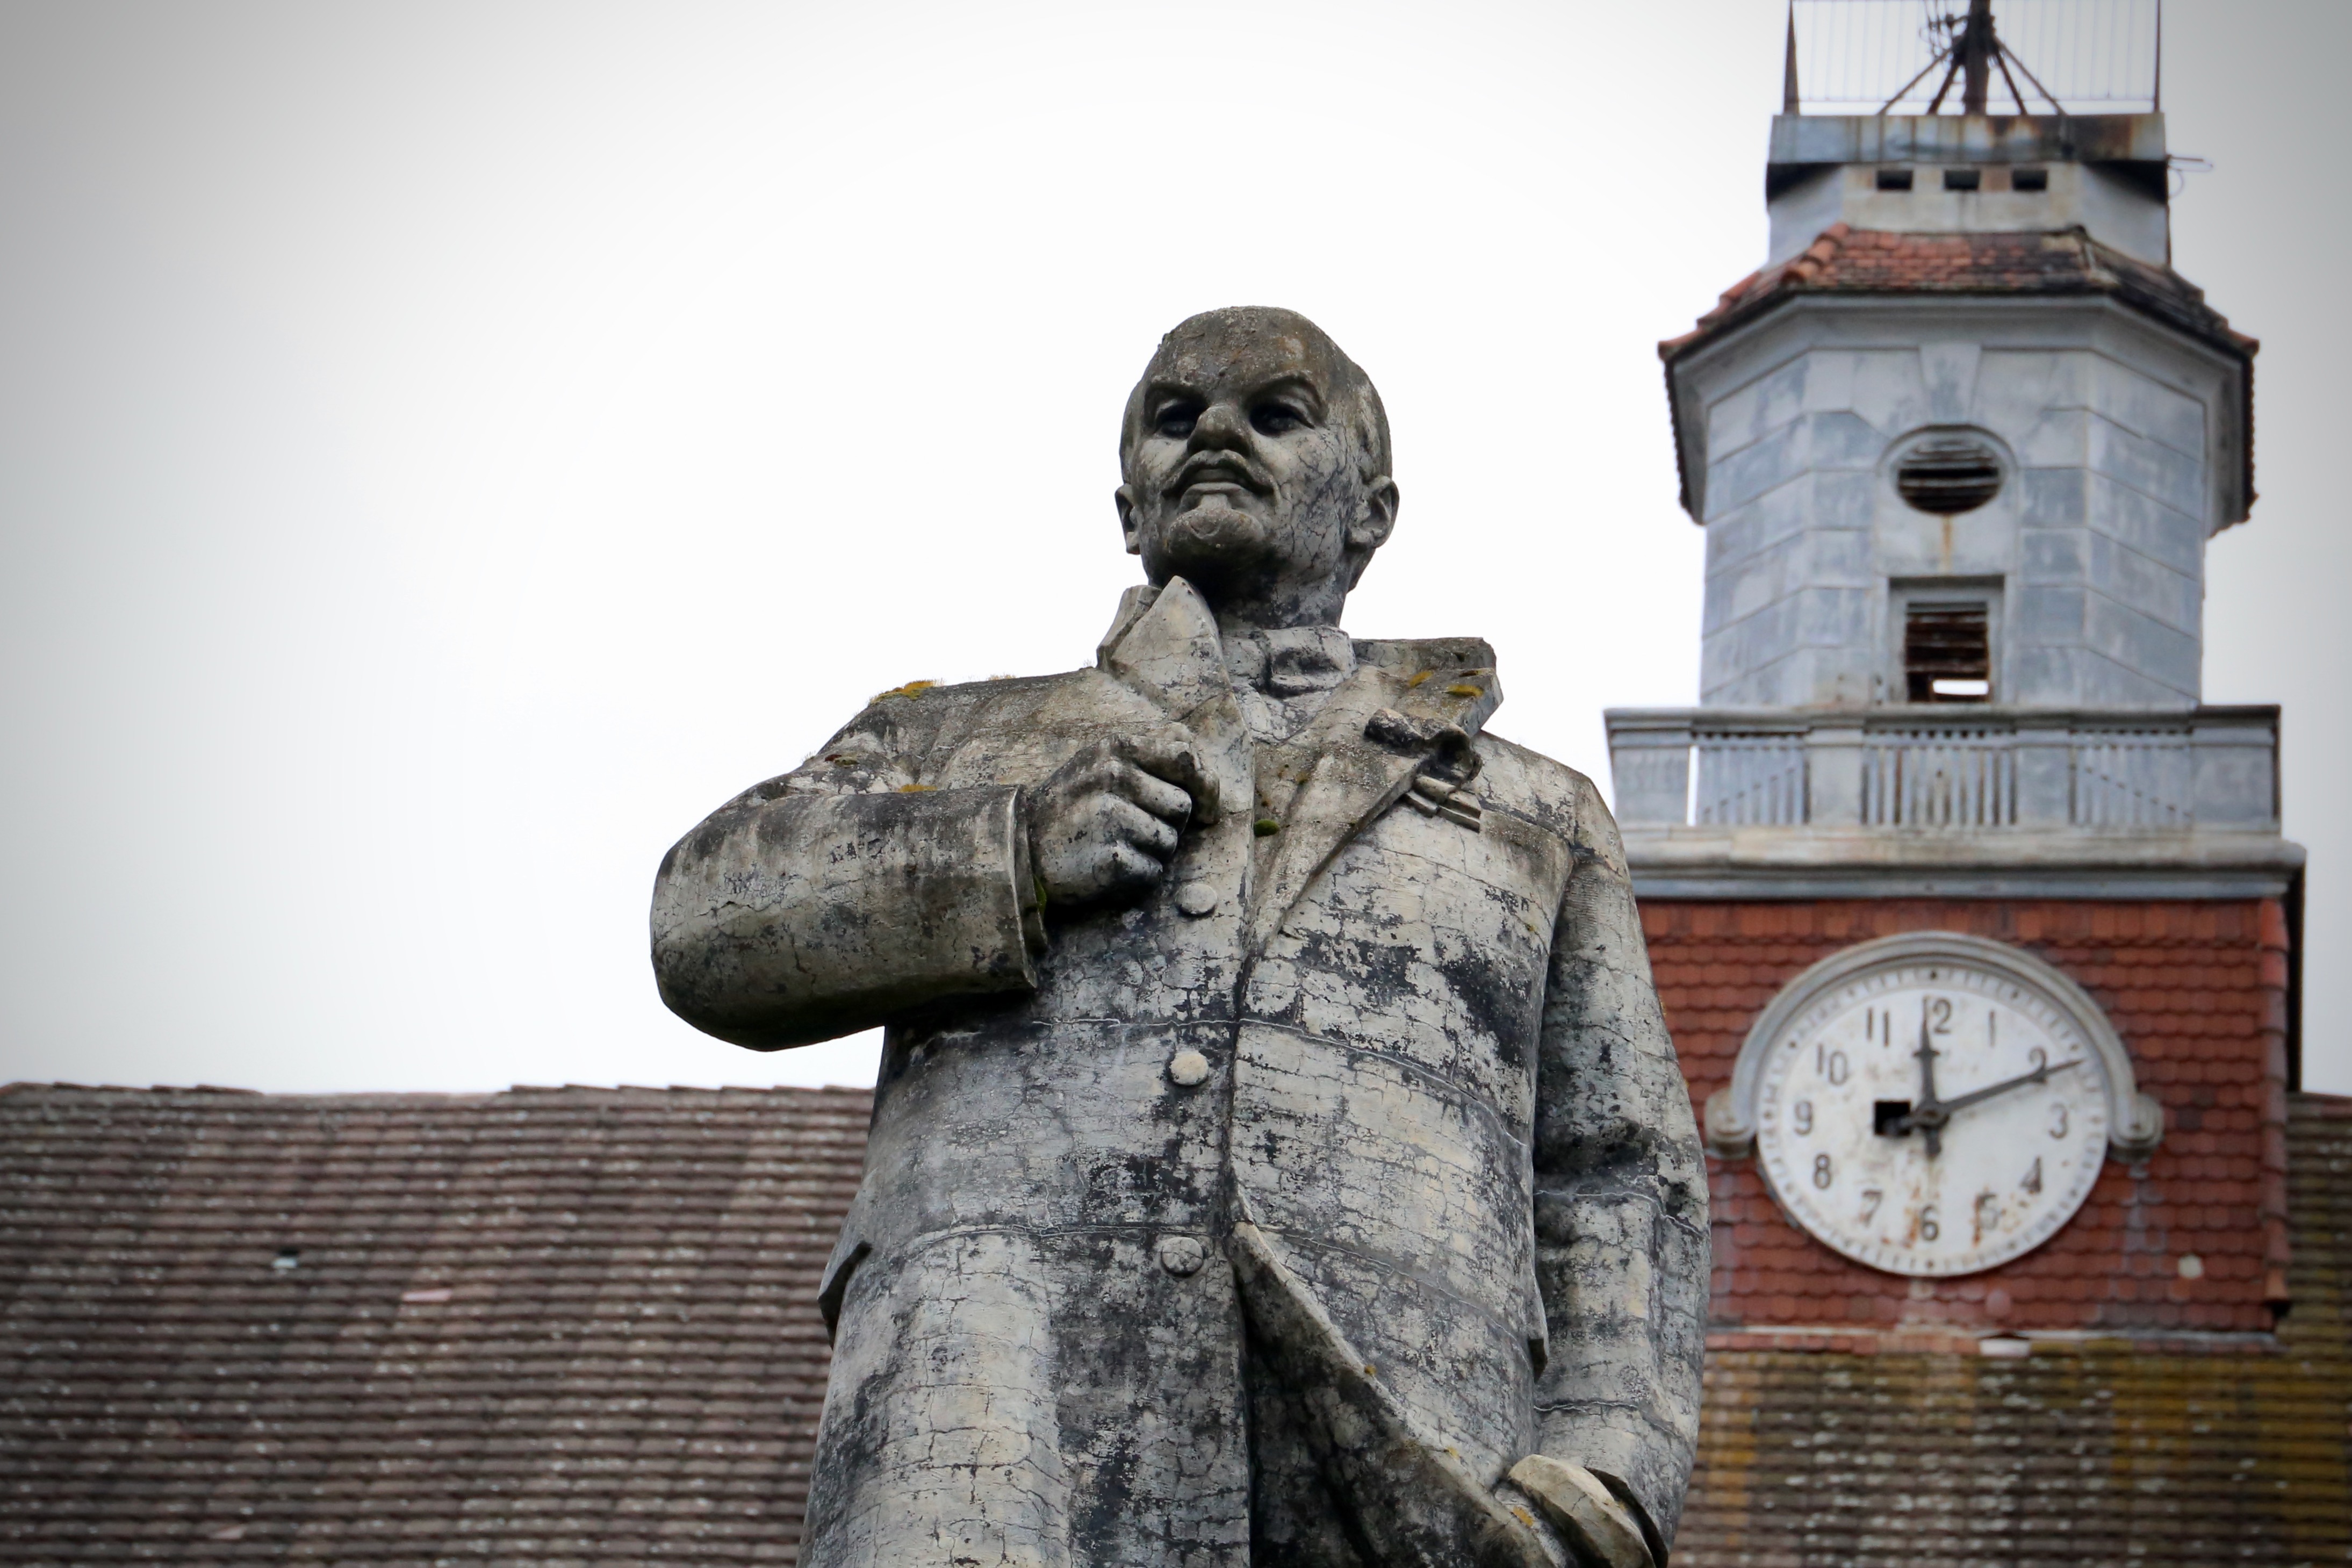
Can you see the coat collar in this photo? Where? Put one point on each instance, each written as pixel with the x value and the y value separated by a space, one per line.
pixel 1409 705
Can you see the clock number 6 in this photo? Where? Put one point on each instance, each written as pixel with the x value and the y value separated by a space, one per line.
pixel 1822 1172
pixel 1928 1229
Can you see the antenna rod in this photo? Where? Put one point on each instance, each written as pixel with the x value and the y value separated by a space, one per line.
pixel 2001 59
pixel 2055 106
pixel 1916 80
pixel 1976 57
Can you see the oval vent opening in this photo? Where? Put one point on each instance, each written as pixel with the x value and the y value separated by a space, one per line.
pixel 1948 474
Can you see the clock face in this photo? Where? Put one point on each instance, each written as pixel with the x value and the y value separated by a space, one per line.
pixel 1949 1177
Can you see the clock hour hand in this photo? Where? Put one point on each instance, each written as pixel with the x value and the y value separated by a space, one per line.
pixel 1976 1096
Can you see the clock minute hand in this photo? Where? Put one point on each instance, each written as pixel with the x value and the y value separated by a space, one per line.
pixel 1976 1096
pixel 1928 1115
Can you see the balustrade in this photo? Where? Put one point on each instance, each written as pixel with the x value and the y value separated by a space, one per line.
pixel 1982 770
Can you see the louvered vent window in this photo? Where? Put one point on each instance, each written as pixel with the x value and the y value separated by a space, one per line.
pixel 1948 650
pixel 1948 474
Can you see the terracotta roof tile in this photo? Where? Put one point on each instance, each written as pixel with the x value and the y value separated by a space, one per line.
pixel 1846 260
pixel 546 1325
pixel 578 1326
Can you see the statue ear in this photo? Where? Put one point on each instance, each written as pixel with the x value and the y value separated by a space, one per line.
pixel 1370 530
pixel 1123 498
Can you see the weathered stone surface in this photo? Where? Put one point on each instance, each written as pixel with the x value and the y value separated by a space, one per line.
pixel 1278 1139
pixel 2043 326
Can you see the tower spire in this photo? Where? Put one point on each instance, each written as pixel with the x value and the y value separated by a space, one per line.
pixel 1788 97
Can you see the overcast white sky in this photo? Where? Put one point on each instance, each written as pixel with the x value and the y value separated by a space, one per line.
pixel 446 449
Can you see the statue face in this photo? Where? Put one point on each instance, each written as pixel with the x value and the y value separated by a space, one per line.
pixel 1243 476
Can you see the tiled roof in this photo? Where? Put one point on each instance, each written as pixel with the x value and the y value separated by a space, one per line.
pixel 577 1326
pixel 549 1325
pixel 1846 260
pixel 2081 1453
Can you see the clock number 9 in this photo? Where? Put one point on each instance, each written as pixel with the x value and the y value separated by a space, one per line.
pixel 1830 1065
pixel 1801 1116
pixel 1821 1174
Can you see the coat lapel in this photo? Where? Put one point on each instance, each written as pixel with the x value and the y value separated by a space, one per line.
pixel 1407 703
pixel 1164 645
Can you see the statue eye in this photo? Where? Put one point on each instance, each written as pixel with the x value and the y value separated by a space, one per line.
pixel 1177 420
pixel 1275 419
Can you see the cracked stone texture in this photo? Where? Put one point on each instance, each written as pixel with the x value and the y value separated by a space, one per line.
pixel 1441 1157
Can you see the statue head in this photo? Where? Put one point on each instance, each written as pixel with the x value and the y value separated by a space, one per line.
pixel 1255 461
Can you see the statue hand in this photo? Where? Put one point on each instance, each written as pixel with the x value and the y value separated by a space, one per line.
pixel 1105 824
pixel 1585 1509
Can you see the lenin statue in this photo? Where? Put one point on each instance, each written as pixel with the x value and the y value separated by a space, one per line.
pixel 1279 1155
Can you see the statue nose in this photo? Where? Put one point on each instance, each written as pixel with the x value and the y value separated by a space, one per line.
pixel 1220 425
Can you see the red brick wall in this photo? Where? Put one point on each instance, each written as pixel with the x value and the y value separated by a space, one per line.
pixel 2197 989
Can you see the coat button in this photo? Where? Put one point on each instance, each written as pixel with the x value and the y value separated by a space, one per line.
pixel 1188 1067
pixel 1181 1255
pixel 1196 898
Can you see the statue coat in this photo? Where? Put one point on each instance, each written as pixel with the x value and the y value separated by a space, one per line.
pixel 1273 1218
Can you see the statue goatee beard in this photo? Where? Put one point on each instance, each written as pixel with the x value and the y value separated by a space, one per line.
pixel 1215 539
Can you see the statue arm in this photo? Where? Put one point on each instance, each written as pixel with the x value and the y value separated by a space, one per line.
pixel 842 895
pixel 1622 1250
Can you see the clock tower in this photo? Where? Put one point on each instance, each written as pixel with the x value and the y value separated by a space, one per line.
pixel 1973 922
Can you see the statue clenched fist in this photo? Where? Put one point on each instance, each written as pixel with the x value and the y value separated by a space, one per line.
pixel 1104 825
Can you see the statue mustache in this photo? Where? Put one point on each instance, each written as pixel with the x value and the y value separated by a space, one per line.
pixel 1223 465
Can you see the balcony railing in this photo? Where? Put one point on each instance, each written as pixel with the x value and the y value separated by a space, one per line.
pixel 1947 769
